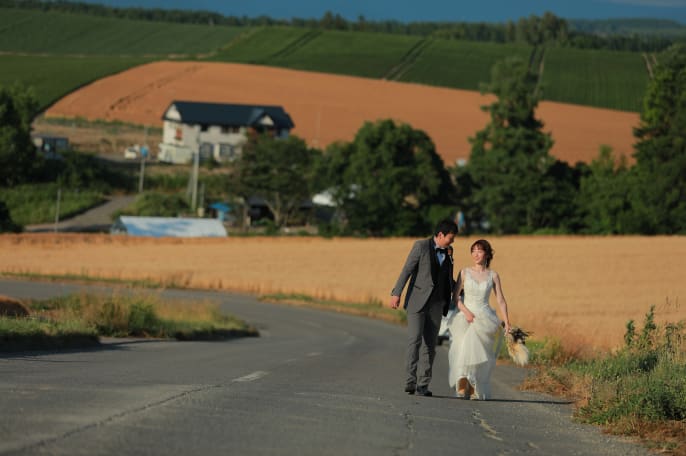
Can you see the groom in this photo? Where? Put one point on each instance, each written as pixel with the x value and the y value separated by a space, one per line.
pixel 430 271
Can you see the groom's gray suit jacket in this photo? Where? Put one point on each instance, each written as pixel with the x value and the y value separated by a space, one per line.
pixel 421 268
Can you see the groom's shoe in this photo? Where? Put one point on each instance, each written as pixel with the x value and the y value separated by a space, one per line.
pixel 409 389
pixel 424 391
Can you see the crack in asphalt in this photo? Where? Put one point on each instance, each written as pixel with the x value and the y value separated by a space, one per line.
pixel 488 430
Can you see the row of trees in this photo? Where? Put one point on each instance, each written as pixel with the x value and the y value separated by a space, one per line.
pixel 534 30
pixel 390 181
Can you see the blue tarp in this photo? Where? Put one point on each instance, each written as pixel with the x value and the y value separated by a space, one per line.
pixel 168 227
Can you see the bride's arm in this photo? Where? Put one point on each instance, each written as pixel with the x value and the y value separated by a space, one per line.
pixel 469 316
pixel 502 303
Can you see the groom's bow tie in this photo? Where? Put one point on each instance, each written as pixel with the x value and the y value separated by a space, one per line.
pixel 443 251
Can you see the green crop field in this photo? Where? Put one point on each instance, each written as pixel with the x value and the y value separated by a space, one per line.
pixel 359 54
pixel 259 45
pixel 25 31
pixel 52 77
pixel 609 79
pixel 69 50
pixel 460 64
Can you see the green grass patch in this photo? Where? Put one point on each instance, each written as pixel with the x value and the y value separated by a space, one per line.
pixel 37 203
pixel 607 79
pixel 84 317
pixel 372 308
pixel 31 31
pixel 638 390
pixel 42 334
pixel 53 77
pixel 370 55
pixel 460 64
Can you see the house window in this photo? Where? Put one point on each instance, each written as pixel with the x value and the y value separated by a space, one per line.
pixel 233 129
pixel 206 150
pixel 227 152
pixel 204 127
pixel 179 134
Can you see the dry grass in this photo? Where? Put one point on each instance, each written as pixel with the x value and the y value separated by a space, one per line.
pixel 579 289
pixel 11 307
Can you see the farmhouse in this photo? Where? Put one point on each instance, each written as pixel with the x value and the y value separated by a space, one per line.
pixel 216 130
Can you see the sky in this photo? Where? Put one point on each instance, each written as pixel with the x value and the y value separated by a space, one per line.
pixel 427 10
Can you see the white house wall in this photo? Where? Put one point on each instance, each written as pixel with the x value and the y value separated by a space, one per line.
pixel 191 137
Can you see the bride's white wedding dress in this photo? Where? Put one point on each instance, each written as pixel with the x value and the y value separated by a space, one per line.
pixel 472 349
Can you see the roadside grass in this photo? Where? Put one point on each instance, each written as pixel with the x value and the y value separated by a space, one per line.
pixel 372 308
pixel 638 390
pixel 78 319
pixel 37 203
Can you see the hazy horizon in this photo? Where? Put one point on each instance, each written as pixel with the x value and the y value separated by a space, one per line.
pixel 429 10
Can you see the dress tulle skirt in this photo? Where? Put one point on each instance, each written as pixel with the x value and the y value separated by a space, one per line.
pixel 472 350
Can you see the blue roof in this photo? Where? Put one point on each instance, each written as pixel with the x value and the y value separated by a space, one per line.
pixel 234 115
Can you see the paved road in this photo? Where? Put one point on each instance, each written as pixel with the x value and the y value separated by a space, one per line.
pixel 97 219
pixel 314 383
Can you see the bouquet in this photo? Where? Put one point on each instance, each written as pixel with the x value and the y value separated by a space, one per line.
pixel 515 340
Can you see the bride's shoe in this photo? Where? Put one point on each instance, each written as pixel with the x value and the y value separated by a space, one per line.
pixel 462 388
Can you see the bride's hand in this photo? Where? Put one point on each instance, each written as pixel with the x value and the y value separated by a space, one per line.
pixel 469 316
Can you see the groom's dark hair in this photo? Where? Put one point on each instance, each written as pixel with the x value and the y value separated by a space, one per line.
pixel 446 226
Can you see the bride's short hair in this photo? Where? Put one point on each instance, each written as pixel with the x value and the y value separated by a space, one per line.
pixel 484 245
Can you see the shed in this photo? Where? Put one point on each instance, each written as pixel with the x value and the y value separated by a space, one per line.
pixel 168 227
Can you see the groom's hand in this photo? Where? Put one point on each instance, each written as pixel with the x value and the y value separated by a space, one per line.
pixel 395 302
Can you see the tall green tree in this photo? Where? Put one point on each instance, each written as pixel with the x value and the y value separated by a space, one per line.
pixel 388 179
pixel 659 193
pixel 604 195
pixel 17 152
pixel 280 171
pixel 6 222
pixel 518 185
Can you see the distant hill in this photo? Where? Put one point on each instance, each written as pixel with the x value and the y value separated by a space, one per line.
pixel 638 26
pixel 49 41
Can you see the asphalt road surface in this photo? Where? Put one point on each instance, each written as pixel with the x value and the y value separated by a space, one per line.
pixel 314 383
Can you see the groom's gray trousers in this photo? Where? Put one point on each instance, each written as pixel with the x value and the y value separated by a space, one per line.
pixel 423 327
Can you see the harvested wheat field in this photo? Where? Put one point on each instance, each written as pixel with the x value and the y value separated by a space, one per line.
pixel 328 108
pixel 582 289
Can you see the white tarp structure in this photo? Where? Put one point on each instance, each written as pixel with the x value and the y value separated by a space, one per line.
pixel 168 227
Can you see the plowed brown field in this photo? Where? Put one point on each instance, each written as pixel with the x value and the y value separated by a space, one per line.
pixel 580 289
pixel 328 108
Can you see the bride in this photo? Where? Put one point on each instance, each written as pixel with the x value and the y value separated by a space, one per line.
pixel 474 328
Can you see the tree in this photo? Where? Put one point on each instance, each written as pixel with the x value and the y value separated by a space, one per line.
pixel 17 152
pixel 6 223
pixel 280 171
pixel 519 186
pixel 387 180
pixel 604 195
pixel 659 196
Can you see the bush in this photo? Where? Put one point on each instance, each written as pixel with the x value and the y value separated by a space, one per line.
pixel 153 204
pixel 645 380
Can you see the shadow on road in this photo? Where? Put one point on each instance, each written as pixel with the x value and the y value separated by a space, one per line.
pixel 511 401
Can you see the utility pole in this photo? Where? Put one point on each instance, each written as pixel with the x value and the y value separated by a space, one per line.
pixel 196 163
pixel 143 150
pixel 57 207
pixel 142 173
